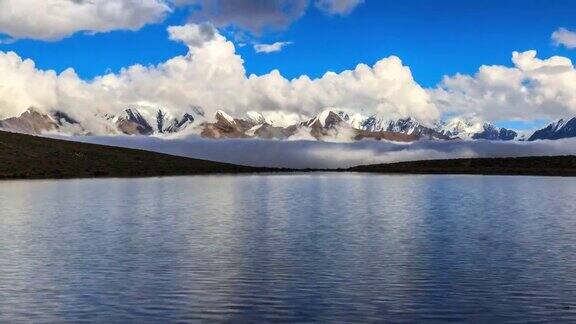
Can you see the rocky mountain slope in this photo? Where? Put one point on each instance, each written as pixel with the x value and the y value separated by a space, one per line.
pixel 558 130
pixel 469 130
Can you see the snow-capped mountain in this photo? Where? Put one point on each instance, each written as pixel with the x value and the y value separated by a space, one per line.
pixel 557 130
pixel 132 122
pixel 330 124
pixel 470 130
pixel 493 133
pixel 327 119
pixel 460 128
pixel 135 121
pixel 33 121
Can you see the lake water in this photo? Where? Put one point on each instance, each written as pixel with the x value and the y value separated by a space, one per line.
pixel 308 247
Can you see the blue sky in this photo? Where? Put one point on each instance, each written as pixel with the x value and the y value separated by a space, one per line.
pixel 433 38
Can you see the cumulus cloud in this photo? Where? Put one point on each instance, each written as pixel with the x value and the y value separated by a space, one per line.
pixel 271 48
pixel 212 76
pixel 22 85
pixel 315 154
pixel 532 89
pixel 255 16
pixel 56 19
pixel 338 7
pixel 564 37
pixel 192 35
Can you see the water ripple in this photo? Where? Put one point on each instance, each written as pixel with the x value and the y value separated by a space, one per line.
pixel 312 248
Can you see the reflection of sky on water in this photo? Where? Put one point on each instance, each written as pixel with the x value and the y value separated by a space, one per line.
pixel 314 246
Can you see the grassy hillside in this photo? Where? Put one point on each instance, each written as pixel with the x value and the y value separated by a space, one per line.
pixel 25 156
pixel 543 165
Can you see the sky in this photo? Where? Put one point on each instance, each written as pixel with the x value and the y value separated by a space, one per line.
pixel 441 47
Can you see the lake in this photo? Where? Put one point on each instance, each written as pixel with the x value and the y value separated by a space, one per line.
pixel 301 247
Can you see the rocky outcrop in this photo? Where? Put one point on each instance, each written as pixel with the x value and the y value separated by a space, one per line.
pixel 133 123
pixel 32 121
pixel 493 133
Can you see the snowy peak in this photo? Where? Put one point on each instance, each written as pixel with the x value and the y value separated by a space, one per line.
pixel 32 121
pixel 327 119
pixel 132 122
pixel 168 124
pixel 151 121
pixel 557 130
pixel 461 128
pixel 492 133
pixel 255 118
pixel 330 124
pixel 372 124
pixel 224 119
pixel 179 124
pixel 474 130
pixel 406 125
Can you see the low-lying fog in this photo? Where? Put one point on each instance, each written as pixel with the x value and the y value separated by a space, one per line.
pixel 316 154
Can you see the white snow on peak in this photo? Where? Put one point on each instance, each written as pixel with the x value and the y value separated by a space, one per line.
pixel 255 117
pixel 252 131
pixel 225 116
pixel 558 125
pixel 323 116
pixel 278 118
pixel 460 127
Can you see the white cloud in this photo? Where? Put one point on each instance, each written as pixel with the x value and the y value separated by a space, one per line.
pixel 213 76
pixel 532 89
pixel 564 37
pixel 22 85
pixel 56 19
pixel 270 48
pixel 338 7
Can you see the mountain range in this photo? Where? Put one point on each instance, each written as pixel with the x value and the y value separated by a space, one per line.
pixel 331 124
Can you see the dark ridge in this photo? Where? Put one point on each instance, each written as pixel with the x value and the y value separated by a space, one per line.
pixel 31 157
pixel 536 165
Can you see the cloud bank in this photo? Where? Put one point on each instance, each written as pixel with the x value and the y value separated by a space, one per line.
pixel 313 154
pixel 52 20
pixel 532 89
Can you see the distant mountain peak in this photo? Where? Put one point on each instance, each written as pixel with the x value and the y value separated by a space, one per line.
pixel 557 130
pixel 225 119
pixel 328 124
